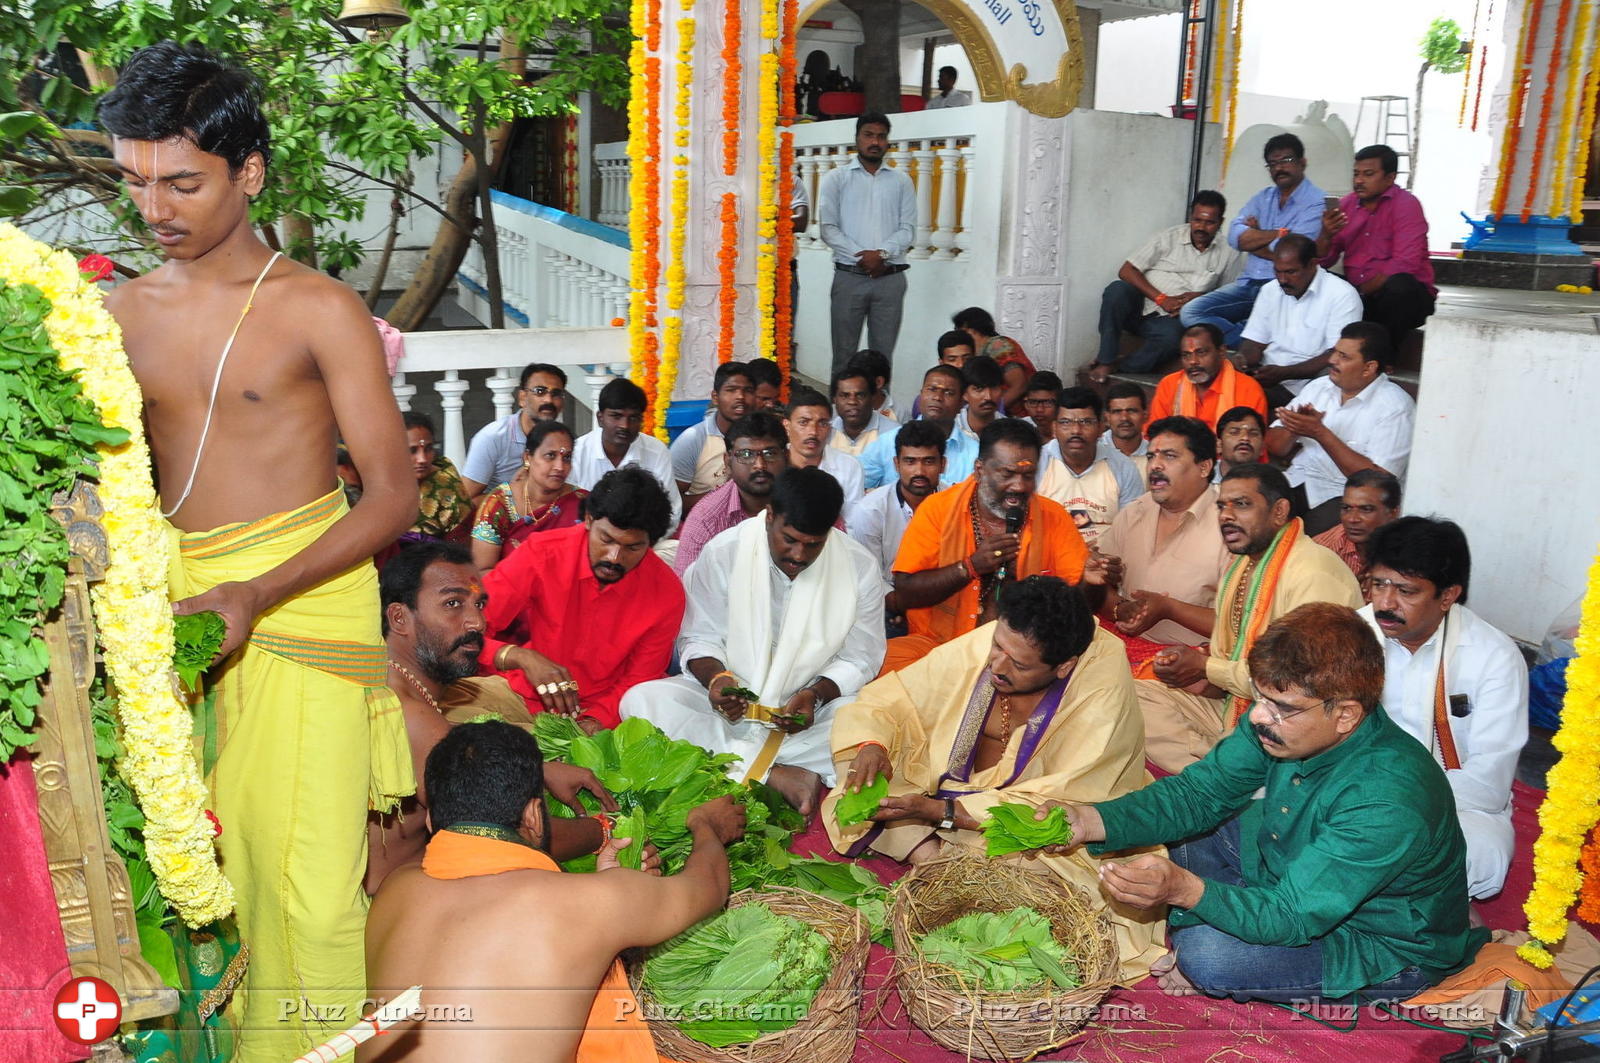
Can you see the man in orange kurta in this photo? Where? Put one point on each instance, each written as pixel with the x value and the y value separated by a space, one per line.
pixel 958 549
pixel 1207 385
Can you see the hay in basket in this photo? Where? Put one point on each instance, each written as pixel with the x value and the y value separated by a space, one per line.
pixel 983 1024
pixel 828 1032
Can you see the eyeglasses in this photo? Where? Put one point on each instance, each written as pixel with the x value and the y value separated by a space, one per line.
pixel 746 456
pixel 1077 422
pixel 1280 712
pixel 1283 161
pixel 540 391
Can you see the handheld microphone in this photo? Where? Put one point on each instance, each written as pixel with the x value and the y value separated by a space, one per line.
pixel 1014 518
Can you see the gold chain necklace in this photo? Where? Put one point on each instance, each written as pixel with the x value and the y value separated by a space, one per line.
pixel 416 685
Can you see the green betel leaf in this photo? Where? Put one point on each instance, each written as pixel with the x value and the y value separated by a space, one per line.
pixel 999 951
pixel 196 638
pixel 1012 828
pixel 853 808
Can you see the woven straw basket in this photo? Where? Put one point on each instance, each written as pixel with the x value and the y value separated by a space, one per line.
pixel 828 1032
pixel 1011 1025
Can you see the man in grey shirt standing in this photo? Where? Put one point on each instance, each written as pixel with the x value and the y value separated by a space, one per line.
pixel 868 214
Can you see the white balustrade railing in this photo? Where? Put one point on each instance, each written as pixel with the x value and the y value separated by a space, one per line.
pixel 938 150
pixel 556 270
pixel 612 169
pixel 493 359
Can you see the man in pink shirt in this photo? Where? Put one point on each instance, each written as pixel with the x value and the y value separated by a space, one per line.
pixel 1382 234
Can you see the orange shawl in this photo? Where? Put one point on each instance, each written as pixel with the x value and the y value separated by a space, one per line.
pixel 615 1031
pixel 1050 543
pixel 1226 387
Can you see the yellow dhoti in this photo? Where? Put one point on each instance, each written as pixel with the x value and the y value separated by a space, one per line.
pixel 1084 745
pixel 302 735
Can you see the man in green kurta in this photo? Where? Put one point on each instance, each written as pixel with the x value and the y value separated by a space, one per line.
pixel 1347 877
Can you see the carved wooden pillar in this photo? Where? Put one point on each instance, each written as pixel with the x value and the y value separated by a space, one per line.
pixel 90 881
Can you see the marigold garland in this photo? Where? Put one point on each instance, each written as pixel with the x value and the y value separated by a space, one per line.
pixel 1519 90
pixel 1586 125
pixel 1567 126
pixel 643 153
pixel 1192 52
pixel 677 235
pixel 783 303
pixel 1233 83
pixel 1477 94
pixel 1461 114
pixel 766 179
pixel 131 606
pixel 1219 50
pixel 1536 169
pixel 1572 804
pixel 1589 895
pixel 727 264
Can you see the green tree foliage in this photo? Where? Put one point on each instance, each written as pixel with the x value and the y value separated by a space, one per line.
pixel 1443 50
pixel 348 112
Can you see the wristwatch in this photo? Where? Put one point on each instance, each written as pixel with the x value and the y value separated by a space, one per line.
pixel 949 820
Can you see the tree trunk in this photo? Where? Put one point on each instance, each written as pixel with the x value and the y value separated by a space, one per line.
pixel 375 292
pixel 300 239
pixel 1416 128
pixel 879 68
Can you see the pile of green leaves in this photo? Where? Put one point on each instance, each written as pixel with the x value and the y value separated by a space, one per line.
pixel 846 883
pixel 51 432
pixel 738 975
pixel 853 808
pixel 1000 951
pixel 196 638
pixel 1011 828
pixel 656 781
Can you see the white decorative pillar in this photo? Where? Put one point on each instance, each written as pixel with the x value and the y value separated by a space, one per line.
pixel 922 243
pixel 944 236
pixel 450 391
pixel 501 387
pixel 403 392
pixel 969 156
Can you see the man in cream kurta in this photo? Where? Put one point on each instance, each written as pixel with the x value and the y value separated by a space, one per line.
pixel 802 634
pixel 1197 696
pixel 1082 739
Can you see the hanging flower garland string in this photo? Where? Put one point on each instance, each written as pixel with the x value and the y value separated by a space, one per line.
pixel 1586 123
pixel 1566 129
pixel 1233 83
pixel 728 253
pixel 135 616
pixel 677 235
pixel 1563 16
pixel 644 188
pixel 1519 90
pixel 1572 802
pixel 766 179
pixel 783 303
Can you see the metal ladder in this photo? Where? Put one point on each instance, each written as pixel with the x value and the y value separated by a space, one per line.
pixel 1391 123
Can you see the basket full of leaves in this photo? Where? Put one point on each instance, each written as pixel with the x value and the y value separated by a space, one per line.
pixel 776 978
pixel 996 960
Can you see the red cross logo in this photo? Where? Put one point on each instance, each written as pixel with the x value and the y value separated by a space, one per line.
pixel 87 1011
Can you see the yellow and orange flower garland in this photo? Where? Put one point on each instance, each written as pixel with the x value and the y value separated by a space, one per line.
pixel 1577 48
pixel 766 177
pixel 1537 168
pixel 1572 802
pixel 1519 90
pixel 1589 895
pixel 677 235
pixel 782 303
pixel 130 604
pixel 1586 125
pixel 644 184
pixel 728 253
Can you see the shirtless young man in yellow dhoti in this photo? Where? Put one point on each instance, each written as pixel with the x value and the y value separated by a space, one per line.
pixel 252 368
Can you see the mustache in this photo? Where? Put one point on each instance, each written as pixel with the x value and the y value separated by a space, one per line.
pixel 473 639
pixel 1266 734
pixel 1387 615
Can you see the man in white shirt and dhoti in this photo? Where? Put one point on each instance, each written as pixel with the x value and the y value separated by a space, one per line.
pixel 784 607
pixel 1034 706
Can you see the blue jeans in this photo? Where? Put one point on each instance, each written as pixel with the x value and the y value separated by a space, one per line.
pixel 1122 310
pixel 1227 308
pixel 1221 965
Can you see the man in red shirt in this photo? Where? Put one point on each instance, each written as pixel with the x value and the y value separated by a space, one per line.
pixel 582 614
pixel 1382 233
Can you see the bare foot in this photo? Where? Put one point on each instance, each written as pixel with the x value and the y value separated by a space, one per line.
pixel 1099 372
pixel 797 785
pixel 925 852
pixel 1169 978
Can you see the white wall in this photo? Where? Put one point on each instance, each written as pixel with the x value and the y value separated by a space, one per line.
pixel 1503 442
pixel 1295 52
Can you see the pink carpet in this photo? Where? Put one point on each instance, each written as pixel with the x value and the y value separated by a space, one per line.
pixel 1155 1027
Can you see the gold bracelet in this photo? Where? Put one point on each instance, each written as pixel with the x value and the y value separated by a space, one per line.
pixel 500 657
pixel 710 683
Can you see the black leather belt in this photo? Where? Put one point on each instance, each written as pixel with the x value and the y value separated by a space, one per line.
pixel 857 269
